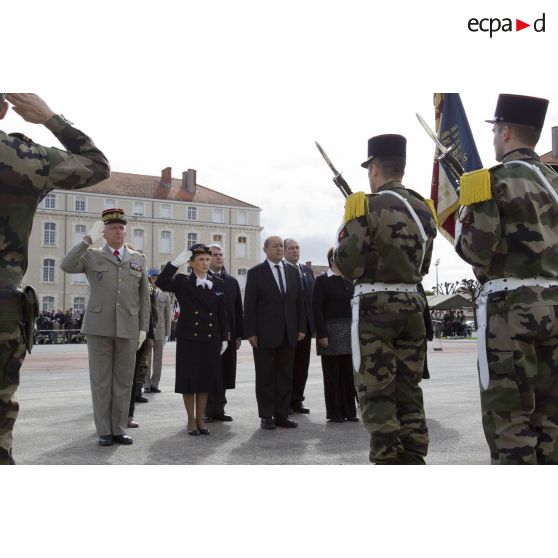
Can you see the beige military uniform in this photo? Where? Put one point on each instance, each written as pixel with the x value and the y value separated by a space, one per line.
pixel 162 331
pixel 118 309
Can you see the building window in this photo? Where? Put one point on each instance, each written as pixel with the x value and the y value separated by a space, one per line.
pixel 241 217
pixel 218 238
pixel 79 278
pixel 138 239
pixel 242 247
pixel 79 232
pixel 49 236
pixel 80 203
pixel 218 216
pixel 79 304
pixel 50 201
pixel 138 209
pixel 165 211
pixel 48 271
pixel 48 304
pixel 110 203
pixel 165 246
pixel 191 239
pixel 192 214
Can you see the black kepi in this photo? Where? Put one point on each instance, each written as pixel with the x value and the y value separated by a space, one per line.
pixel 386 145
pixel 520 109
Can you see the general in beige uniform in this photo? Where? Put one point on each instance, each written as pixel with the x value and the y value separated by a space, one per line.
pixel 118 310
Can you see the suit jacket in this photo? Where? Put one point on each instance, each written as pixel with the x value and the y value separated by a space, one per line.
pixel 203 316
pixel 119 292
pixel 307 279
pixel 267 313
pixel 164 314
pixel 233 304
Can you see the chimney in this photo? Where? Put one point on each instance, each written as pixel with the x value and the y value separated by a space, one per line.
pixel 555 142
pixel 166 178
pixel 189 180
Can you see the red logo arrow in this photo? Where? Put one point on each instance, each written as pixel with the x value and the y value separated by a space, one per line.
pixel 519 25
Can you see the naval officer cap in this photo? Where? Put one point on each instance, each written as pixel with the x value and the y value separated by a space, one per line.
pixel 386 145
pixel 154 272
pixel 113 216
pixel 198 249
pixel 520 109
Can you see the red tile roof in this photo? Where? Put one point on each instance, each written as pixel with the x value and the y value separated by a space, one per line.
pixel 549 159
pixel 142 186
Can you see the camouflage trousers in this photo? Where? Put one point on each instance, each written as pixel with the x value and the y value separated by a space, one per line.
pixel 12 353
pixel 520 405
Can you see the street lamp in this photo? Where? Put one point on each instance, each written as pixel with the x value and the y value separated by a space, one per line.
pixel 436 265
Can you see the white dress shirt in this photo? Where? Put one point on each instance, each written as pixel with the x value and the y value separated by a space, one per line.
pixel 282 270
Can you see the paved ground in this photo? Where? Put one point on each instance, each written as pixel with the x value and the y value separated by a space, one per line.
pixel 55 425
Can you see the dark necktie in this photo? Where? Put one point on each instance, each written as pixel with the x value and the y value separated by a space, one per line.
pixel 281 286
pixel 117 256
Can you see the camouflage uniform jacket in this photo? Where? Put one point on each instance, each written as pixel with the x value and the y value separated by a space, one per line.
pixel 385 245
pixel 28 172
pixel 515 233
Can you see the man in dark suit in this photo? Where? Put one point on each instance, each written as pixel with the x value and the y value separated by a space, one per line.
pixel 302 351
pixel 274 322
pixel 216 401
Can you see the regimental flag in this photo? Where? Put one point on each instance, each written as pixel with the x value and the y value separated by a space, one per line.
pixel 452 129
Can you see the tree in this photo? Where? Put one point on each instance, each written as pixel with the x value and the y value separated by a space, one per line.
pixel 471 288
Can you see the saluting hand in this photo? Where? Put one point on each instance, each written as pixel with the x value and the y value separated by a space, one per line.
pixel 30 107
pixel 182 258
pixel 95 233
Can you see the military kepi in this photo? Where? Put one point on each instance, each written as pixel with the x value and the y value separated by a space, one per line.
pixel 520 109
pixel 113 216
pixel 386 145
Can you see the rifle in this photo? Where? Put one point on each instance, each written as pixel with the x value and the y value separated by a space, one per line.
pixel 450 162
pixel 338 180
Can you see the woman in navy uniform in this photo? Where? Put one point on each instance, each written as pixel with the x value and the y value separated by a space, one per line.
pixel 202 331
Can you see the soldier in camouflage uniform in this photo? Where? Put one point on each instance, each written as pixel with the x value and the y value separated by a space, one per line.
pixel 385 245
pixel 508 230
pixel 28 172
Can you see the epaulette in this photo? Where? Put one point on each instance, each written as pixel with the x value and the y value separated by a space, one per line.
pixel 21 137
pixel 356 205
pixel 475 187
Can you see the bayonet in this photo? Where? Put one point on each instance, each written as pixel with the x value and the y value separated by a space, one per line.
pixel 339 181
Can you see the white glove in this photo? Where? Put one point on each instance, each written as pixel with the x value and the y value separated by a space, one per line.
pixel 224 345
pixel 141 339
pixel 182 258
pixel 96 231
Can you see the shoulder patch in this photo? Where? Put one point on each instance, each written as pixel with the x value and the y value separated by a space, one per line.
pixel 356 205
pixel 475 187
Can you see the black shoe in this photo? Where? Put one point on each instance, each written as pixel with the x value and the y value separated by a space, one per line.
pixel 286 423
pixel 336 420
pixel 105 441
pixel 223 418
pixel 268 424
pixel 207 418
pixel 301 410
pixel 353 419
pixel 204 431
pixel 123 439
pixel 155 390
pixel 141 399
pixel 194 432
pixel 146 390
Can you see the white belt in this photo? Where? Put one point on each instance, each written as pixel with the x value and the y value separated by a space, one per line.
pixel 496 286
pixel 367 288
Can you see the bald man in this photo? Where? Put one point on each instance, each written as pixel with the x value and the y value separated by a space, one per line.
pixel 274 322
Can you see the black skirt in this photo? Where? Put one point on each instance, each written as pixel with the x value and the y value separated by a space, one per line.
pixel 197 366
